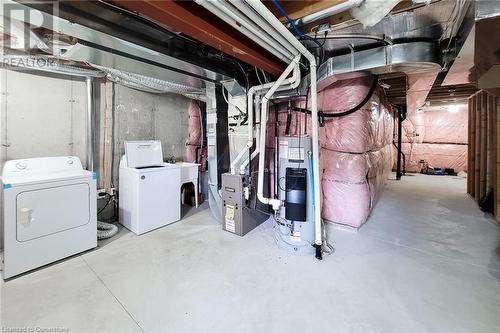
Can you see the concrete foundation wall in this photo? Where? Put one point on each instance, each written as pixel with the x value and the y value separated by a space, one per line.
pixel 144 116
pixel 41 115
pixel 44 115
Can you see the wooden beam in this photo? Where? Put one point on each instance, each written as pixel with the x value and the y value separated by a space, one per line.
pixel 477 151
pixel 193 20
pixel 297 9
pixel 490 143
pixel 483 145
pixel 105 137
pixel 496 111
pixel 469 146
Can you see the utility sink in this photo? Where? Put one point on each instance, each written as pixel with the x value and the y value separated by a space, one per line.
pixel 189 171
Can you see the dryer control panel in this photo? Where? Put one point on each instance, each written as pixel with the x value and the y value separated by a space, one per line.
pixel 42 167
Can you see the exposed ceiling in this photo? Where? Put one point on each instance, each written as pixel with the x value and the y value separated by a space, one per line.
pixel 185 30
pixel 396 87
pixel 433 22
pixel 196 22
pixel 110 19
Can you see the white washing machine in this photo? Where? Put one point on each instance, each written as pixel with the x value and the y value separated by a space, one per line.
pixel 49 211
pixel 149 190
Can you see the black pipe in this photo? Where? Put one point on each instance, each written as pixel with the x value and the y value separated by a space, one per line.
pixel 319 252
pixel 403 171
pixel 288 120
pixel 401 117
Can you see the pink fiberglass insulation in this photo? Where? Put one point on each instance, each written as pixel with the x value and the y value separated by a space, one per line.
pixel 356 154
pixel 194 123
pixel 436 154
pixel 439 127
pixel 193 152
pixel 446 127
pixel 362 131
pixel 352 184
pixel 344 95
pixel 369 128
pixel 194 133
pixel 380 168
pixel 443 143
pixel 346 192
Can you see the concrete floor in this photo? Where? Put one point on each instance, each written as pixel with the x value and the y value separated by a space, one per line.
pixel 427 260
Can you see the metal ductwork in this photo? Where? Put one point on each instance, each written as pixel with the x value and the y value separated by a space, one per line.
pixel 409 58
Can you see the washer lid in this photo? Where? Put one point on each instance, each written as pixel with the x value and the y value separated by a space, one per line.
pixel 143 153
pixel 44 169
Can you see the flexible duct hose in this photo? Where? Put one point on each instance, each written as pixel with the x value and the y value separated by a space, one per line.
pixel 106 230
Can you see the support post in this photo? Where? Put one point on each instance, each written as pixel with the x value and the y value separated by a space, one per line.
pixel 89 81
pixel 401 117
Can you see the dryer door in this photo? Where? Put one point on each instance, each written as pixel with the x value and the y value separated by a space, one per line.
pixel 51 210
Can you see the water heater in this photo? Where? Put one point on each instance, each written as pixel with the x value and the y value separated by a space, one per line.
pixel 294 225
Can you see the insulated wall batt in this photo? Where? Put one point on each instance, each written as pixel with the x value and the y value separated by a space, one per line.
pixel 436 154
pixel 443 142
pixel 446 127
pixel 356 151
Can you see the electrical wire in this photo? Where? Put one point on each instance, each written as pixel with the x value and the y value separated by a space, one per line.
pixel 265 76
pixel 328 114
pixel 258 76
pixel 224 95
pixel 107 203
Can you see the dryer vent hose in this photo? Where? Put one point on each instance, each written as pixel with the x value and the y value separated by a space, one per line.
pixel 106 230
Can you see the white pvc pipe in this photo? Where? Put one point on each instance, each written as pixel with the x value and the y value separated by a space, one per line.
pixel 248 28
pixel 275 203
pixel 339 8
pixel 290 83
pixel 294 85
pixel 260 8
pixel 252 15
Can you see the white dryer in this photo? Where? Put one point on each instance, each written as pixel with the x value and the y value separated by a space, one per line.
pixel 149 190
pixel 49 211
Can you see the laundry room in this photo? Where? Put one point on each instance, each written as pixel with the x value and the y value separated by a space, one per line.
pixel 249 166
